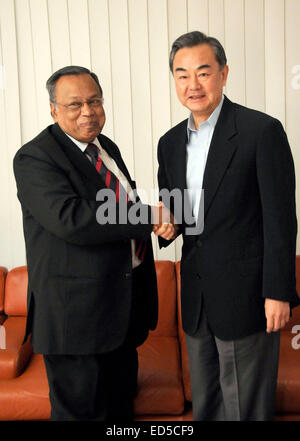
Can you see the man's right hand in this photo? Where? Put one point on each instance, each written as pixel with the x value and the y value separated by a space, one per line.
pixel 163 222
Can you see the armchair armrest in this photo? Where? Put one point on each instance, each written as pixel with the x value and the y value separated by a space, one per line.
pixel 15 356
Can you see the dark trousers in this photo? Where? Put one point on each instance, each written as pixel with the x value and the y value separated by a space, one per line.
pixel 93 387
pixel 99 386
pixel 233 380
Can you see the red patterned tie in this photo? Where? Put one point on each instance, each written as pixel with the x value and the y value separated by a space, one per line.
pixel 112 182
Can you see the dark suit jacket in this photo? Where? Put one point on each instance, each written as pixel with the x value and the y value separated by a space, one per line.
pixel 80 272
pixel 247 249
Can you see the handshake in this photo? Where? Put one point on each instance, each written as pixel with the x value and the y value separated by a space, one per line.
pixel 163 222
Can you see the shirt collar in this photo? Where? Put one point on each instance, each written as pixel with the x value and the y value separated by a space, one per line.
pixel 83 145
pixel 212 120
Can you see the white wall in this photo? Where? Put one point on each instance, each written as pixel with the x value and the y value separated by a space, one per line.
pixel 126 42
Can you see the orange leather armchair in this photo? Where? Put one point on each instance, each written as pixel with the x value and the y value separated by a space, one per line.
pixel 23 382
pixel 164 391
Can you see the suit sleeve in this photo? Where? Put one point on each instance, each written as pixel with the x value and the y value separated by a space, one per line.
pixel 163 184
pixel 276 179
pixel 46 194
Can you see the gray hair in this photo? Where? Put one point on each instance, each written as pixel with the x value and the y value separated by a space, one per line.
pixel 68 70
pixel 193 39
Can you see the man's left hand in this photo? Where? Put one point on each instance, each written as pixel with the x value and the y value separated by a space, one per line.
pixel 277 314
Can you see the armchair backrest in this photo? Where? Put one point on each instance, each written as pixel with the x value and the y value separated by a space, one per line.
pixel 167 304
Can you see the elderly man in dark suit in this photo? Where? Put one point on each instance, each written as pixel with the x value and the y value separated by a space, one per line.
pixel 92 294
pixel 238 260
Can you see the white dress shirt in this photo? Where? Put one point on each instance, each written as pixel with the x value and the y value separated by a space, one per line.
pixel 111 166
pixel 197 149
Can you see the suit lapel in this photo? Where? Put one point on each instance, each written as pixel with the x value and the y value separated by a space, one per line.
pixel 221 150
pixel 79 160
pixel 76 156
pixel 177 156
pixel 177 162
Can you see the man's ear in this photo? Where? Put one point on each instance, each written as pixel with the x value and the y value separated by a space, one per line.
pixel 225 74
pixel 53 111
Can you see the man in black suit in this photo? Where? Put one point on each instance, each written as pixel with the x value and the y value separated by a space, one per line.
pixel 238 259
pixel 92 294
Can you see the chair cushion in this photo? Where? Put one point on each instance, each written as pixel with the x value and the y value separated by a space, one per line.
pixel 160 385
pixel 14 358
pixel 160 389
pixel 26 397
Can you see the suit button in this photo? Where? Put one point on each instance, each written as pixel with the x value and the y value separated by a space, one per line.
pixel 199 243
pixel 128 276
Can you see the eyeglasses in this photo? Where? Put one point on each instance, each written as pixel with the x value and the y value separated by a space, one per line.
pixel 77 106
